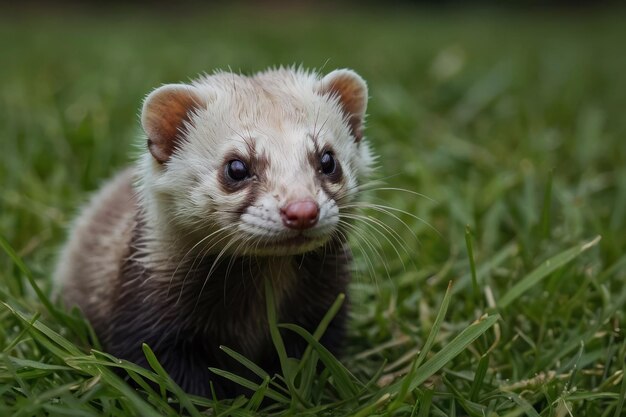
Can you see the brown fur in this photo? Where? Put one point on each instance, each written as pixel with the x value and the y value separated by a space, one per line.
pixel 99 241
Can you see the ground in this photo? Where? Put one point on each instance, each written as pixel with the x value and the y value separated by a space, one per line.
pixel 504 131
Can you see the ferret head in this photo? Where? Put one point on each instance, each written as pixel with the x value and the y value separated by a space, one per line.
pixel 255 165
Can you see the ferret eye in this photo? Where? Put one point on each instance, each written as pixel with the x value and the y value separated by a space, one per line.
pixel 328 163
pixel 237 170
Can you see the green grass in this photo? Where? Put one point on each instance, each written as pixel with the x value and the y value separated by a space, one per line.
pixel 513 126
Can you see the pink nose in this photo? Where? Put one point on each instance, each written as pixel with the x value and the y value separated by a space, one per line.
pixel 300 215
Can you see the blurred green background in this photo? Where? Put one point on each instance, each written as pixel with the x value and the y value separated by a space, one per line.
pixel 511 120
pixel 463 101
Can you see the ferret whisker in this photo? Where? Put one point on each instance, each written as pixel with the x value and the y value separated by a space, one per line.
pixel 370 267
pixel 183 259
pixel 404 190
pixel 232 259
pixel 243 139
pixel 376 227
pixel 317 116
pixel 362 188
pixel 388 211
pixel 370 219
pixel 360 241
pixel 370 206
pixel 213 265
pixel 380 203
pixel 202 252
pixel 321 129
pixel 360 233
pixel 227 273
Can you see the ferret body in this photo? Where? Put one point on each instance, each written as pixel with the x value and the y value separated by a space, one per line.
pixel 243 180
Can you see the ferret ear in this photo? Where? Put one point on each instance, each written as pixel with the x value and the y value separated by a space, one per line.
pixel 163 117
pixel 351 90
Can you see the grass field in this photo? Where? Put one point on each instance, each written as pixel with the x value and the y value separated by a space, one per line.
pixel 512 125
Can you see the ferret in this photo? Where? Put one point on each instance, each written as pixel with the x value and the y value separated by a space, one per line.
pixel 242 179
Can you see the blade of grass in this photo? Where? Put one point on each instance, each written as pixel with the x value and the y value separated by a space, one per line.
pixel 245 362
pixel 370 408
pixel 234 407
pixel 249 384
pixel 65 350
pixel 110 361
pixel 507 252
pixel 324 323
pixel 524 405
pixel 21 334
pixel 171 385
pixel 128 394
pixel 308 374
pixel 8 249
pixel 344 380
pixel 432 335
pixel 215 403
pixel 471 408
pixel 479 377
pixel 285 364
pixel 545 269
pixel 51 335
pixel 259 395
pixel 151 393
pixel 307 367
pixel 574 365
pixel 426 400
pixel 451 350
pixel 37 365
pixel 430 340
pixel 470 253
pixel 622 392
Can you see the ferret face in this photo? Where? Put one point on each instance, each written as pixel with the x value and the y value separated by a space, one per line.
pixel 261 165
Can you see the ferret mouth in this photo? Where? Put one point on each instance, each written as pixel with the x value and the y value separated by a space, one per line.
pixel 293 241
pixel 267 241
pixel 290 245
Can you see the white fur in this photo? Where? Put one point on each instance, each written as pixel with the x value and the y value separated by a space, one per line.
pixel 278 113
